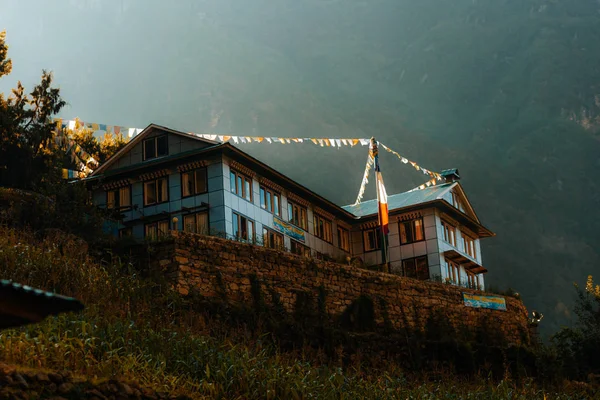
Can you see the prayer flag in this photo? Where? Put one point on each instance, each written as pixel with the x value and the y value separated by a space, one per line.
pixel 383 204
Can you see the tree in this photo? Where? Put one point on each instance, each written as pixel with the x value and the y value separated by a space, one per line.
pixel 100 149
pixel 26 130
pixel 30 159
pixel 579 347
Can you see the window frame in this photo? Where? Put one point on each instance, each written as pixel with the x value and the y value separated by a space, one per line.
pixel 245 180
pixel 466 240
pixel 238 219
pixel 158 232
pixel 155 140
pixel 343 232
pixel 412 230
pixel 195 215
pixel 456 201
pixel 447 227
pixel 195 191
pixel 267 232
pixel 453 271
pixel 473 281
pixel 323 235
pixel 264 193
pixel 305 250
pixel 166 179
pixel 291 205
pixel 377 231
pixel 118 196
pixel 123 234
pixel 415 260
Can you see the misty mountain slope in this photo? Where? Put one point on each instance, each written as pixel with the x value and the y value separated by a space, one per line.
pixel 504 90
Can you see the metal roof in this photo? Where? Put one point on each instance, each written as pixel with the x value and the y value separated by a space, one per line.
pixel 400 200
pixel 21 305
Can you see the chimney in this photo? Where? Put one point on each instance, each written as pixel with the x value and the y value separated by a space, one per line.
pixel 450 175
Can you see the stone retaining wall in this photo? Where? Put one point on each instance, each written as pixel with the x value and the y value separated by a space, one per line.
pixel 216 267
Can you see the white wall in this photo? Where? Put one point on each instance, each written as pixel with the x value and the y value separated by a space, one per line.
pixel 262 217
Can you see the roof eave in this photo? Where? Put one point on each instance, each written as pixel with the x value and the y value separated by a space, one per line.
pixel 279 175
pixel 482 231
pixel 158 162
pixel 138 138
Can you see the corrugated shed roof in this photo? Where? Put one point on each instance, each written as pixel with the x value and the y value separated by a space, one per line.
pixel 399 200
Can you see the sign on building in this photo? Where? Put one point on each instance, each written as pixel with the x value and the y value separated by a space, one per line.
pixel 289 229
pixel 492 302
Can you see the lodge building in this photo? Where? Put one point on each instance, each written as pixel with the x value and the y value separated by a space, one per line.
pixel 164 179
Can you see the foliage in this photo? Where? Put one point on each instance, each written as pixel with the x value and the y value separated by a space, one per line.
pixel 138 329
pixel 101 149
pixel 31 160
pixel 26 133
pixel 579 346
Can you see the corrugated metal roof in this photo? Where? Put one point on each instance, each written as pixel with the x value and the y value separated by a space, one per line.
pixel 399 200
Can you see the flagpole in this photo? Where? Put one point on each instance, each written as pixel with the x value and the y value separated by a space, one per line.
pixel 383 235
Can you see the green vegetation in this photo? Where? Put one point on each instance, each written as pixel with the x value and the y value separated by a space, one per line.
pixel 134 327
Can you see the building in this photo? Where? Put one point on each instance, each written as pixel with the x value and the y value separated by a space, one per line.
pixel 164 179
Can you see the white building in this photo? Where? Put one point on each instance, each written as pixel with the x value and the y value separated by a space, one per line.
pixel 165 179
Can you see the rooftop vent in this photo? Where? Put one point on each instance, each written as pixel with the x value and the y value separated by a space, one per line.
pixel 450 175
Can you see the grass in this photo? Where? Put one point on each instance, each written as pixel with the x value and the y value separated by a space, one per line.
pixel 136 328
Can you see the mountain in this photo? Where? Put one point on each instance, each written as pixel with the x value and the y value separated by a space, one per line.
pixel 507 91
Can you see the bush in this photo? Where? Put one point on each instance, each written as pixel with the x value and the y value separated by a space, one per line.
pixel 579 347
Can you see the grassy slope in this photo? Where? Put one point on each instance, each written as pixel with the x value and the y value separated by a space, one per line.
pixel 137 330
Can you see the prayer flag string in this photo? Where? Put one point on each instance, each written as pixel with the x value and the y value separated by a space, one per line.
pixel 87 163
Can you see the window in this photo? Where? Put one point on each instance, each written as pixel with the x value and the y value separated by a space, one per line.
pixel 449 233
pixel 456 201
pixel 240 185
pixel 270 201
pixel 299 248
pixel 157 229
pixel 243 228
pixel 411 231
pixel 193 182
pixel 323 228
pixel 118 198
pixel 196 223
pixel 125 232
pixel 469 245
pixel 272 239
pixel 156 147
pixel 452 271
pixel 417 268
pixel 371 239
pixel 156 192
pixel 343 239
pixel 297 215
pixel 473 281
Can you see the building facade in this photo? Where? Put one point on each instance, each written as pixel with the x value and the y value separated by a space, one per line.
pixel 165 179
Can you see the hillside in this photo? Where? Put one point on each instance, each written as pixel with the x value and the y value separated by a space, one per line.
pixel 136 337
pixel 507 91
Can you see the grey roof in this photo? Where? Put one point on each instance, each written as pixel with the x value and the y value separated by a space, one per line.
pixel 399 200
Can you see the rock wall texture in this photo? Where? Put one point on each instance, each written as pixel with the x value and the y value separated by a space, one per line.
pixel 215 267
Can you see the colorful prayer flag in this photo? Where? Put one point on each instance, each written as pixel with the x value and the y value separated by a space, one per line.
pixel 383 204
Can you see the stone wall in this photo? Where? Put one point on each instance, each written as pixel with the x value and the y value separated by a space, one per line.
pixel 216 267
